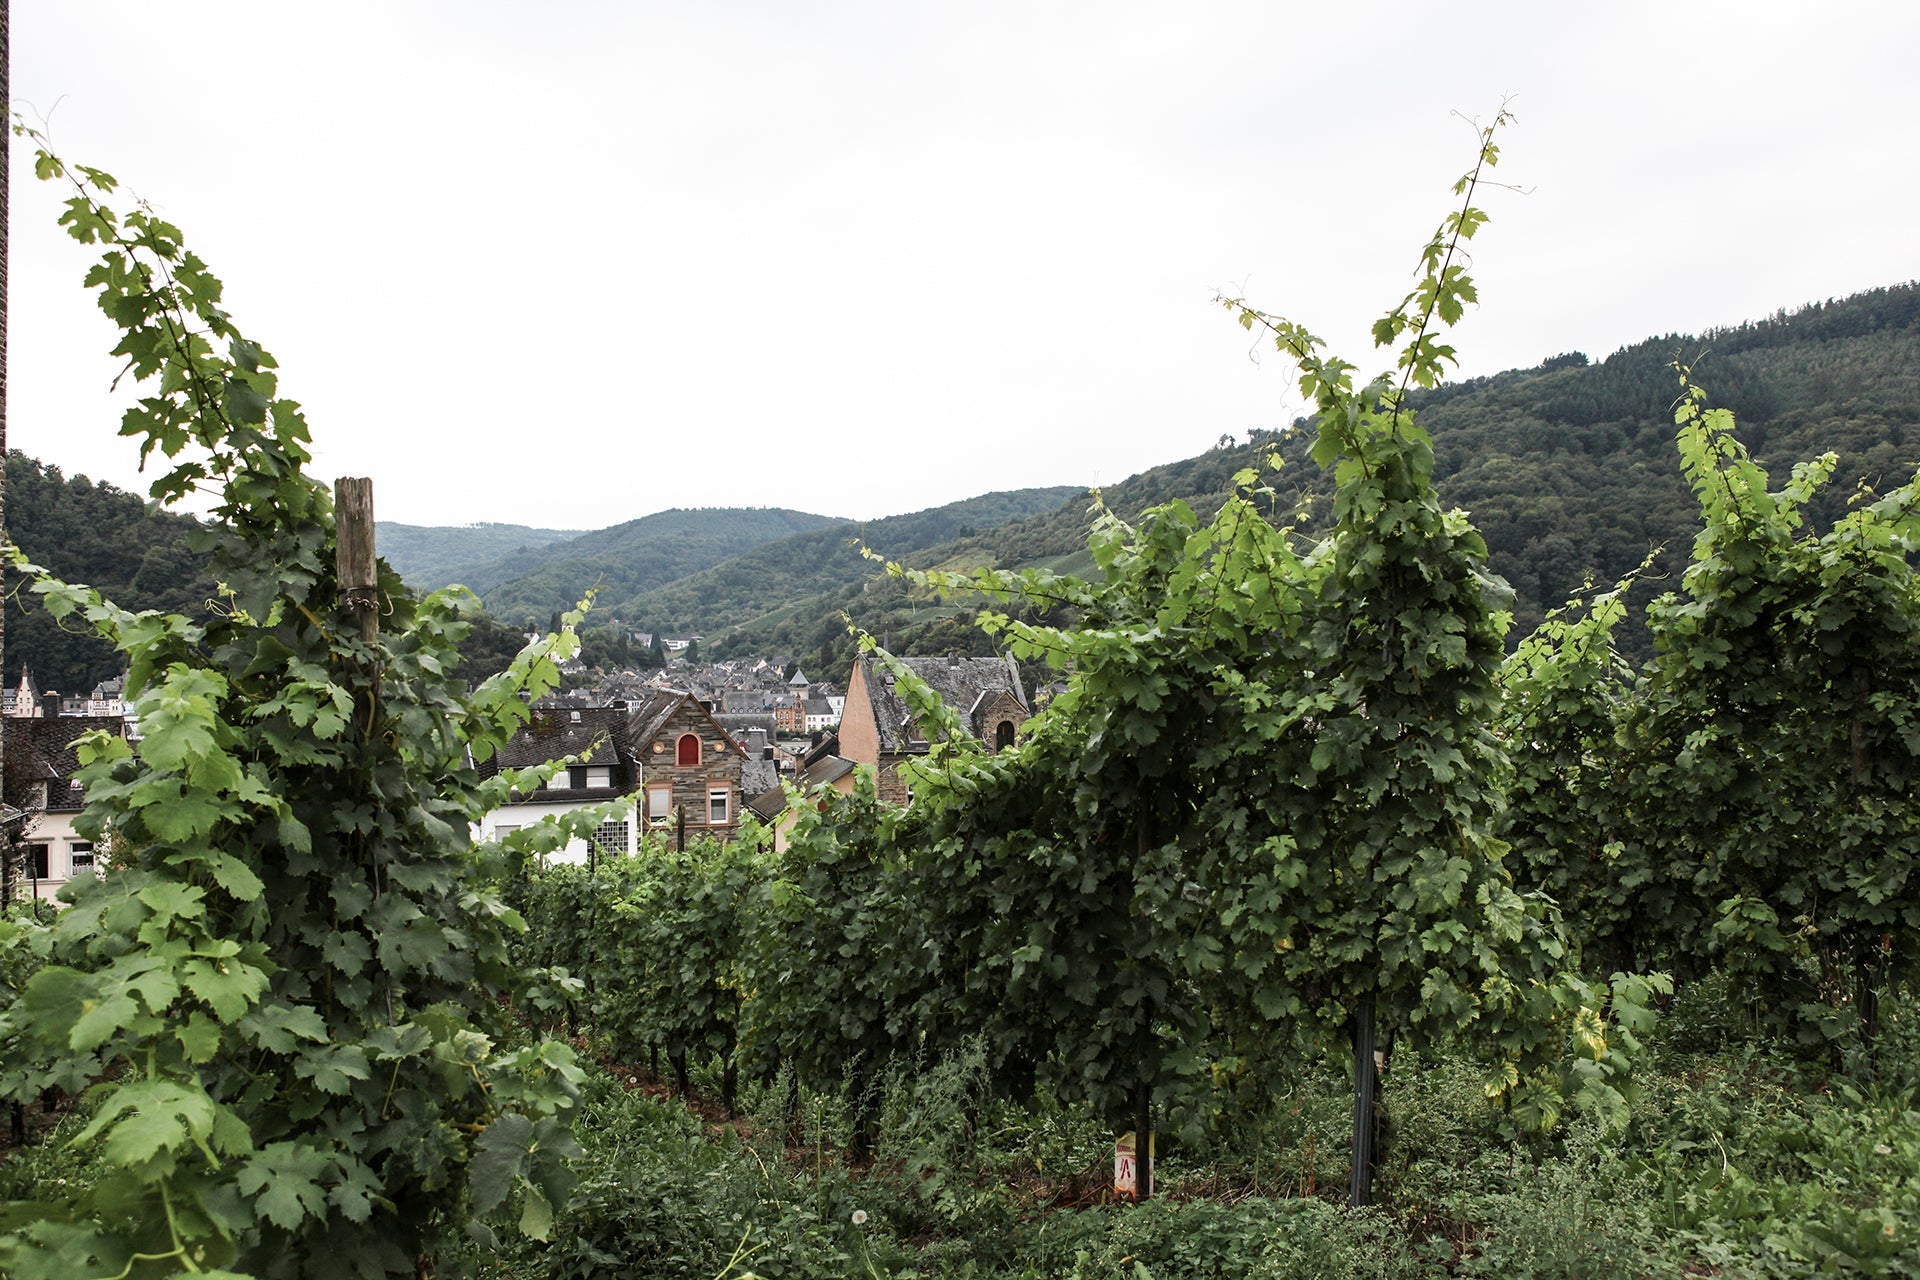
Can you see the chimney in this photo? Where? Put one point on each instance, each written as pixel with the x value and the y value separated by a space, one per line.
pixel 953 657
pixel 50 704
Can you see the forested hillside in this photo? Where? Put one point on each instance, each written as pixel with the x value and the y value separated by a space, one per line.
pixel 83 531
pixel 801 566
pixel 1567 468
pixel 626 559
pixel 431 556
pixel 138 556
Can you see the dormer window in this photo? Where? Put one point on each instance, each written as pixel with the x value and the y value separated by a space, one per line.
pixel 599 775
pixel 687 750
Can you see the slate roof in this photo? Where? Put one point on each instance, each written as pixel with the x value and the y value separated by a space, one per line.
pixel 826 769
pixel 650 716
pixel 960 682
pixel 736 723
pixel 757 777
pixel 598 735
pixel 571 699
pixel 770 802
pixel 651 713
pixel 41 750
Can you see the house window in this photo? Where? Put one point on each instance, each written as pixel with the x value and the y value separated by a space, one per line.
pixel 1003 735
pixel 612 836
pixel 659 803
pixel 80 857
pixel 561 781
pixel 687 750
pixel 717 801
pixel 37 862
pixel 600 775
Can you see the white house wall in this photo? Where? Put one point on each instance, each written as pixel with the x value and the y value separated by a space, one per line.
pixel 55 830
pixel 512 817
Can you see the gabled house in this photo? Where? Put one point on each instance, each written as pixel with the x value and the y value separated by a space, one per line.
pixel 606 770
pixel 878 728
pixel 819 714
pixel 23 701
pixel 107 698
pixel 818 771
pixel 40 764
pixel 690 767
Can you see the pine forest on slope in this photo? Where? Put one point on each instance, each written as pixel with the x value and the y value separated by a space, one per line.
pixel 799 567
pixel 139 556
pixel 1567 468
pixel 526 584
pixel 431 556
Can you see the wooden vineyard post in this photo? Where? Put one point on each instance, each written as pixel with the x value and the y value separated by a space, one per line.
pixel 1360 1190
pixel 354 555
pixel 1143 1090
pixel 1143 1142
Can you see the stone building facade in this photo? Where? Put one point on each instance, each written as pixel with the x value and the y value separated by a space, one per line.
pixel 878 728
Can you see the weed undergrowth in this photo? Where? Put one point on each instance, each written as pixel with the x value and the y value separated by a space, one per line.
pixel 1740 1160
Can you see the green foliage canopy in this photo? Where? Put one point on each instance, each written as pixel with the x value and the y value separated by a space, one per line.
pixel 1746 801
pixel 1267 796
pixel 286 984
pixel 143 557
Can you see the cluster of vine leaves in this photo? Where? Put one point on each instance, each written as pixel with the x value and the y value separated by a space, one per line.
pixel 660 934
pixel 287 992
pixel 1270 791
pixel 1289 777
pixel 1268 794
pixel 1745 800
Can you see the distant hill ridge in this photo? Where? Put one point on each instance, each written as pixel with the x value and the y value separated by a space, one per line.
pixel 714 566
pixel 1568 468
pixel 527 583
pixel 90 531
pixel 772 576
pixel 431 556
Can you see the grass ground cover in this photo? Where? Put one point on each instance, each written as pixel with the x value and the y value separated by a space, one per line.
pixel 1741 1159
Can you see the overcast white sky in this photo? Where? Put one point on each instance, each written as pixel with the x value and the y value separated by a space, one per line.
pixel 565 264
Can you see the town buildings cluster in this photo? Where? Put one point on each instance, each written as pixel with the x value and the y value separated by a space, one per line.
pixel 699 751
pixel 699 762
pixel 38 797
